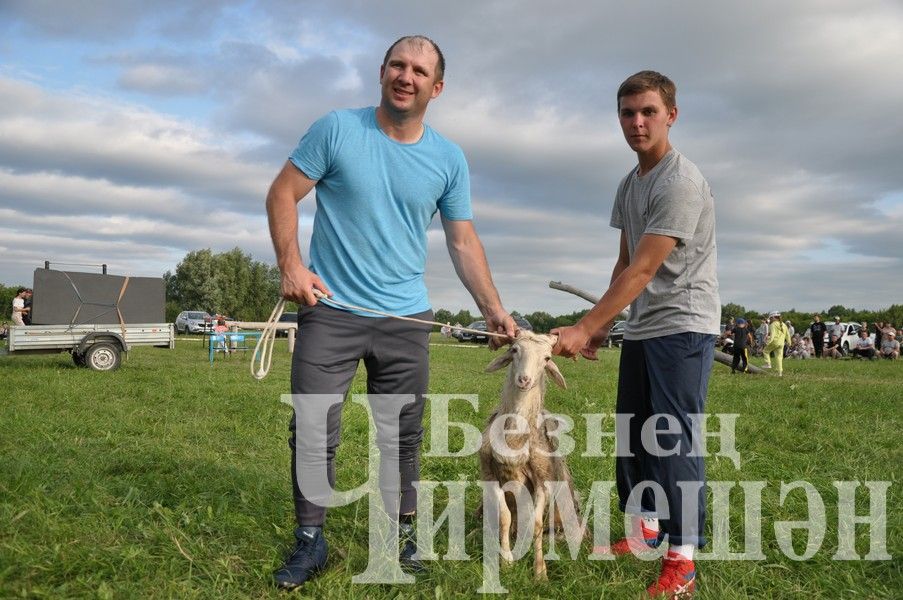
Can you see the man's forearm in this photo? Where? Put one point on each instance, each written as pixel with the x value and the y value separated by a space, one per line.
pixel 282 214
pixel 626 285
pixel 469 260
pixel 619 268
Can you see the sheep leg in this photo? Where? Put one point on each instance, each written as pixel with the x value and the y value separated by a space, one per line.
pixel 504 528
pixel 539 509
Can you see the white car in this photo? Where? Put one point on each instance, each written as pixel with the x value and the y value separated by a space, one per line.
pixel 849 337
pixel 194 321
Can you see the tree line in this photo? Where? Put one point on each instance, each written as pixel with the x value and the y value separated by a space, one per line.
pixel 229 283
pixel 232 283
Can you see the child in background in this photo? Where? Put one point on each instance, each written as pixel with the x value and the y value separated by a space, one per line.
pixel 742 341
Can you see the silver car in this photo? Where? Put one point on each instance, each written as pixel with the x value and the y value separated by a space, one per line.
pixel 194 321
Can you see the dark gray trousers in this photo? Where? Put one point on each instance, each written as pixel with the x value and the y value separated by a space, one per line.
pixel 329 346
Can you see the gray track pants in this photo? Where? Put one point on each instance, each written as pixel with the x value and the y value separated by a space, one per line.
pixel 330 344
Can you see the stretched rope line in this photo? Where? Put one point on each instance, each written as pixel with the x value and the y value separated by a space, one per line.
pixel 265 343
pixel 324 298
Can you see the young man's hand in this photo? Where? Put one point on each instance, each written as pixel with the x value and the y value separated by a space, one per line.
pixel 595 342
pixel 571 341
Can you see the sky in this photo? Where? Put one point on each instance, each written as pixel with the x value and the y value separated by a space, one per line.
pixel 134 132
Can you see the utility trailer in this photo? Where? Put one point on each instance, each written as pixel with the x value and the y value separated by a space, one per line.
pixel 95 346
pixel 94 316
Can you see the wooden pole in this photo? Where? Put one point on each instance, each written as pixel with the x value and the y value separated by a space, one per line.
pixel 557 285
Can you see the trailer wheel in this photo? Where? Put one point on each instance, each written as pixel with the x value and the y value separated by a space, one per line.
pixel 103 356
pixel 78 358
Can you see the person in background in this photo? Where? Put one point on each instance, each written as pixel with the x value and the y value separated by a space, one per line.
pixel 837 328
pixel 26 316
pixel 890 347
pixel 833 349
pixel 799 347
pixel 19 310
pixel 761 334
pixel 727 336
pixel 790 333
pixel 775 342
pixel 880 326
pixel 742 341
pixel 221 328
pixel 817 330
pixel 865 348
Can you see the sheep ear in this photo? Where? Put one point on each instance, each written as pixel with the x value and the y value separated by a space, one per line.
pixel 500 361
pixel 555 374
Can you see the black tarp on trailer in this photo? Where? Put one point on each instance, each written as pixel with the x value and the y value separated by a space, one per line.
pixel 66 297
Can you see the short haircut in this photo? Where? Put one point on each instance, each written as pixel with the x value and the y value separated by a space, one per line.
pixel 421 39
pixel 649 81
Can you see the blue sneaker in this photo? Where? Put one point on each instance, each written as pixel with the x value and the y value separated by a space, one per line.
pixel 306 561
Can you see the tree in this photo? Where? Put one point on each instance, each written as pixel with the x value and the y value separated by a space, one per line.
pixel 229 283
pixel 732 310
pixel 541 321
pixel 444 316
pixel 195 285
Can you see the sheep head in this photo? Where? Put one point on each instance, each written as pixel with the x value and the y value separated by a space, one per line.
pixel 529 357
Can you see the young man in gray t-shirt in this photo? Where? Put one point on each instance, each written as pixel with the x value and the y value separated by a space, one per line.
pixel 666 272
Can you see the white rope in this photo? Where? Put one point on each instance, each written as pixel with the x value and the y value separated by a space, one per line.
pixel 265 343
pixel 324 298
pixel 267 337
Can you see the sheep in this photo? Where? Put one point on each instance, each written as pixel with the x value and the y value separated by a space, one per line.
pixel 524 456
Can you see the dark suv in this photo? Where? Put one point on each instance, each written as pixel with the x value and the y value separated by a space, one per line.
pixel 467 336
pixel 289 317
pixel 616 334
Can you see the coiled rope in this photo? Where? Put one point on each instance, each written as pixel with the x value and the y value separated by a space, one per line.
pixel 264 346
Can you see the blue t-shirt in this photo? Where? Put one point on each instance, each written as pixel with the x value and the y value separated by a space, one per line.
pixel 375 200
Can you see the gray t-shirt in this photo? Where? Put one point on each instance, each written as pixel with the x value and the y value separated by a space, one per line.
pixel 672 199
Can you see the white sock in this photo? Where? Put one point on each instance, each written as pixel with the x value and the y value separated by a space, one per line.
pixel 650 523
pixel 685 550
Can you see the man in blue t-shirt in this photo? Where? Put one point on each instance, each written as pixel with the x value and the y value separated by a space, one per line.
pixel 381 175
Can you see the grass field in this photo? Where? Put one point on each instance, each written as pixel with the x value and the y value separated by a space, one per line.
pixel 169 479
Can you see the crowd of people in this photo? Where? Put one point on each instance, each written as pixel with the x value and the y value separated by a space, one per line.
pixel 775 339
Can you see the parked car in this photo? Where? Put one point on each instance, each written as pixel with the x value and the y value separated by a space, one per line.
pixel 849 337
pixel 289 317
pixel 467 336
pixel 194 321
pixel 616 334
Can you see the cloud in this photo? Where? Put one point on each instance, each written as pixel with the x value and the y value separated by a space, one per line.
pixel 159 111
pixel 124 144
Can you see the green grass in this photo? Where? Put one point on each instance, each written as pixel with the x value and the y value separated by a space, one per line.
pixel 169 479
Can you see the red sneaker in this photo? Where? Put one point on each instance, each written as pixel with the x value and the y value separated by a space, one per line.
pixel 632 544
pixel 678 578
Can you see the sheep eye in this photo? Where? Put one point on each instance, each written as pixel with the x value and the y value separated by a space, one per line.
pixel 548 358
